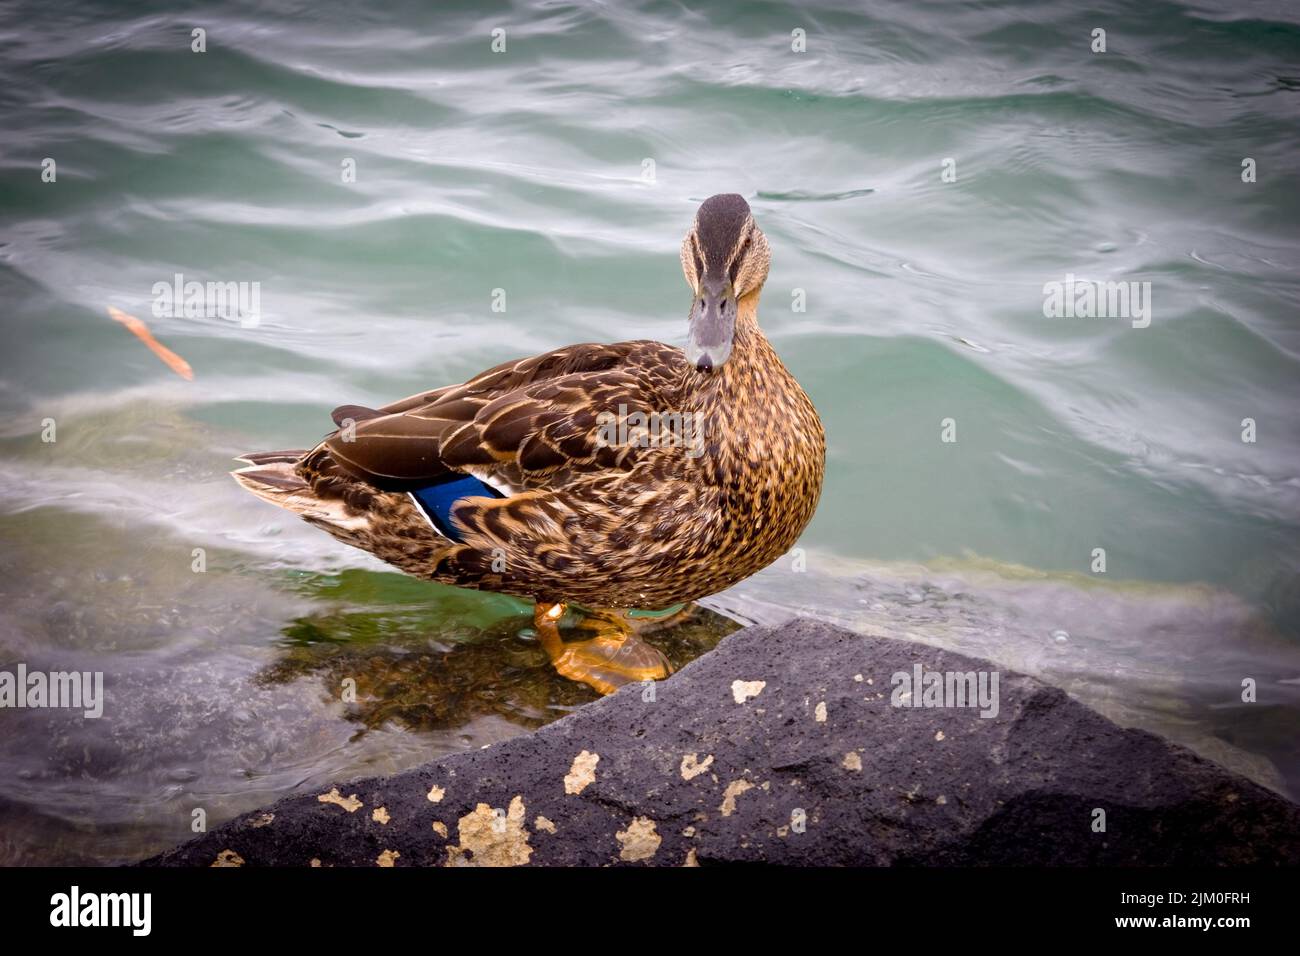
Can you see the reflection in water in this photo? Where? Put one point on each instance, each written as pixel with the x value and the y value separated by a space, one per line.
pixel 409 673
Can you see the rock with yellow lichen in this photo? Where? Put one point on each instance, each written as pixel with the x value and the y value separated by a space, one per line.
pixel 789 745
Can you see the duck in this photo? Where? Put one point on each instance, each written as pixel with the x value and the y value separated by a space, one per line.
pixel 613 479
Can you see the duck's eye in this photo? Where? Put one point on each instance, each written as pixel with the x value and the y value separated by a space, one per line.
pixel 740 257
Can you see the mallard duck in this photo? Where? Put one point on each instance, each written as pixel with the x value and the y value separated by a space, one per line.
pixel 613 477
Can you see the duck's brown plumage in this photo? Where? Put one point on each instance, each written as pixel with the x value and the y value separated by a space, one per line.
pixel 612 526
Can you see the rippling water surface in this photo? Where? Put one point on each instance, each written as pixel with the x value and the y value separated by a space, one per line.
pixel 565 171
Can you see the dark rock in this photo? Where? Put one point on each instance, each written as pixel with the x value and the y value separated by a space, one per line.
pixel 935 785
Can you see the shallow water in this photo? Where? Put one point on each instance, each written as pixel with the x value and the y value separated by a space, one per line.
pixel 565 171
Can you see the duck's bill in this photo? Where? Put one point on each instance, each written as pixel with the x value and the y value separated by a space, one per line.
pixel 708 345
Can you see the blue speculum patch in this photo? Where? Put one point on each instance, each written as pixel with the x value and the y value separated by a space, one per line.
pixel 436 500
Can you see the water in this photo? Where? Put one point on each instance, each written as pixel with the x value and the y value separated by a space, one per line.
pixel 565 171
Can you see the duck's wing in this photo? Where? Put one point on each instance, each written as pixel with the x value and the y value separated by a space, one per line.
pixel 529 423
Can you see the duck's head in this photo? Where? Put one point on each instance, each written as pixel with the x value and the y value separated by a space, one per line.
pixel 725 257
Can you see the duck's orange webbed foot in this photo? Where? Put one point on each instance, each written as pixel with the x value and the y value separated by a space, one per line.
pixel 614 657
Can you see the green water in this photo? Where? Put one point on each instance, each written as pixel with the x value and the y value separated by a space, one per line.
pixel 565 171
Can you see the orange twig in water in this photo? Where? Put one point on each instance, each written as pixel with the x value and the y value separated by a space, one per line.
pixel 141 331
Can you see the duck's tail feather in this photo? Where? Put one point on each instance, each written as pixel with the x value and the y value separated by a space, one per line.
pixel 276 481
pixel 412 533
pixel 356 413
pixel 272 457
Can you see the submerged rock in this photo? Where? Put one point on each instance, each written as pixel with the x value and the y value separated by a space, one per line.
pixel 792 745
